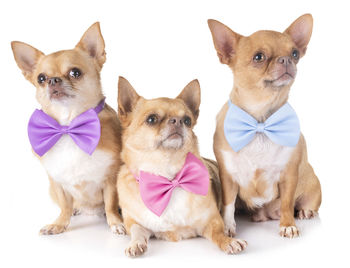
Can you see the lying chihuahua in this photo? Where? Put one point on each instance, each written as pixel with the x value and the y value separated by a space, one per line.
pixel 258 145
pixel 164 186
pixel 76 136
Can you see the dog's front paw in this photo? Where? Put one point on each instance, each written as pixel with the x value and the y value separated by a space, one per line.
pixel 52 229
pixel 118 229
pixel 136 248
pixel 234 246
pixel 306 214
pixel 289 231
pixel 230 229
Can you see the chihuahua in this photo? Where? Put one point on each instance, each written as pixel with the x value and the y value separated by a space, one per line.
pixel 82 169
pixel 165 188
pixel 260 151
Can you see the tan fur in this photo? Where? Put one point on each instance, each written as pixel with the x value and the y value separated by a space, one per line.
pixel 298 187
pixel 143 150
pixel 86 92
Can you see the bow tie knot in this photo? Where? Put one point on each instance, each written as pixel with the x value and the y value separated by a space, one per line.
pixel 175 182
pixel 282 127
pixel 156 191
pixel 260 127
pixel 64 129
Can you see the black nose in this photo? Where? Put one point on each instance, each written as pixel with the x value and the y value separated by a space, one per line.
pixel 175 121
pixel 55 80
pixel 284 60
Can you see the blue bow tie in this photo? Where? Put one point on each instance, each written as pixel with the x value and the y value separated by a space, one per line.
pixel 282 127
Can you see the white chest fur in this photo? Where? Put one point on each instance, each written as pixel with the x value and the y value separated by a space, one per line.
pixel 68 165
pixel 260 154
pixel 178 213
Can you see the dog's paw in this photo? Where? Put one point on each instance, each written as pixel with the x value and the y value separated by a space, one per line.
pixel 306 214
pixel 230 229
pixel 234 246
pixel 289 231
pixel 52 229
pixel 118 229
pixel 136 248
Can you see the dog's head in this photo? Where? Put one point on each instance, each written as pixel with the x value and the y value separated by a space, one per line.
pixel 161 124
pixel 67 77
pixel 265 63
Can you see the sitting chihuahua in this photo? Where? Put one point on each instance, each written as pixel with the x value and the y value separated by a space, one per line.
pixel 258 145
pixel 76 136
pixel 165 188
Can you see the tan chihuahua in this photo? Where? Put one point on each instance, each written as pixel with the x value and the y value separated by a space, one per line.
pixel 157 138
pixel 272 180
pixel 67 84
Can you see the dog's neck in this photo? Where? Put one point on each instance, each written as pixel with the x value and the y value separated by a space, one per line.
pixel 64 112
pixel 259 103
pixel 166 163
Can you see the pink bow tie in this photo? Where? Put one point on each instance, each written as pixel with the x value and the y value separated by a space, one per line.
pixel 156 190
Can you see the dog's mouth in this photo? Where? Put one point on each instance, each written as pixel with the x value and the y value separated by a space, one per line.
pixel 173 141
pixel 59 94
pixel 284 79
pixel 174 135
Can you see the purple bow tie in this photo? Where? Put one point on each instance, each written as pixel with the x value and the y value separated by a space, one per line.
pixel 156 190
pixel 85 130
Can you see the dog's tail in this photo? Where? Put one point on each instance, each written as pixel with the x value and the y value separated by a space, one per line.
pixel 213 169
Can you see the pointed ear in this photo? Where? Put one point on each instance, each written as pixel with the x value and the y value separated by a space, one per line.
pixel 225 40
pixel 300 31
pixel 127 98
pixel 92 43
pixel 191 95
pixel 26 57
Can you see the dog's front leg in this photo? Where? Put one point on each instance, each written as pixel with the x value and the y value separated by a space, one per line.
pixel 65 202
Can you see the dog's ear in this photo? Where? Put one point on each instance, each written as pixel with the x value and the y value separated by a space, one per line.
pixel 127 98
pixel 225 41
pixel 92 42
pixel 26 58
pixel 300 31
pixel 191 95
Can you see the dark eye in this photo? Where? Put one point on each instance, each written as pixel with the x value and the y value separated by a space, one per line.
pixel 152 119
pixel 41 78
pixel 75 73
pixel 295 54
pixel 187 121
pixel 259 57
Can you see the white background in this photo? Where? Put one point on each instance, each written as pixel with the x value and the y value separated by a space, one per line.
pixel 160 47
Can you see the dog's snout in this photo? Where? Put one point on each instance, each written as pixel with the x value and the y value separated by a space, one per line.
pixel 284 60
pixel 175 121
pixel 55 80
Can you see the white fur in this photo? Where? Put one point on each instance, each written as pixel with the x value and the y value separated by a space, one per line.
pixel 261 153
pixel 177 213
pixel 68 165
pixel 229 218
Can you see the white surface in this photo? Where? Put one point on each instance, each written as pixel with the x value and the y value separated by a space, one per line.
pixel 160 47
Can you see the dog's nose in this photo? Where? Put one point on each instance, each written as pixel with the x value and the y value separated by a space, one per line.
pixel 177 121
pixel 55 80
pixel 284 60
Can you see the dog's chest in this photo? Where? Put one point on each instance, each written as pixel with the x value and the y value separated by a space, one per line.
pixel 78 173
pixel 261 159
pixel 180 211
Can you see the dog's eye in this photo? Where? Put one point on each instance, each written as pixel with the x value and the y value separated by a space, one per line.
pixel 75 73
pixel 187 121
pixel 41 78
pixel 295 54
pixel 152 119
pixel 259 57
